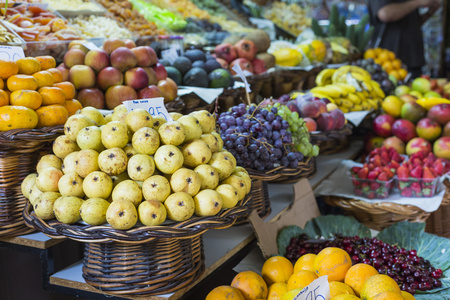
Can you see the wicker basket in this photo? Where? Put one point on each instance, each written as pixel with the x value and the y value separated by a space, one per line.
pixel 305 169
pixel 332 141
pixel 144 260
pixel 378 215
pixel 177 105
pixel 20 151
pixel 294 79
pixel 261 85
pixel 439 221
pixel 259 201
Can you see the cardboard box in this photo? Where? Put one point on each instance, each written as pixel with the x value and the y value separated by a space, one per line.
pixel 303 209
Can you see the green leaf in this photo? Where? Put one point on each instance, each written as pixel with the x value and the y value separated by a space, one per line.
pixel 285 235
pixel 327 226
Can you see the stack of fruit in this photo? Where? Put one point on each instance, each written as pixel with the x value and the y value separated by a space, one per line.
pixel 263 138
pixel 282 279
pixel 306 53
pixel 388 61
pixel 291 17
pixel 349 87
pixel 103 175
pixel 33 94
pixel 377 73
pixel 119 72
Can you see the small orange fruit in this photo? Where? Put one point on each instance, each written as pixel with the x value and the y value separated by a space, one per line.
pixel 357 275
pixel 345 297
pixel 370 53
pixel 2 84
pixel 378 51
pixel 72 106
pixel 377 284
pixel 51 115
pixel 27 98
pixel 338 288
pixel 397 63
pixel 391 55
pixel 251 285
pixel 402 73
pixel 21 82
pixel 305 262
pixel 389 296
pixel 8 68
pixel 68 89
pixel 276 291
pixel 334 262
pixel 395 73
pixel 43 78
pixel 300 279
pixel 13 117
pixel 28 65
pixel 387 66
pixel 224 292
pixel 383 56
pixel 4 98
pixel 277 269
pixel 52 95
pixel 407 296
pixel 46 62
pixel 57 75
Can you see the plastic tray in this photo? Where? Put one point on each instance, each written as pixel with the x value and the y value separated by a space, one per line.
pixel 415 188
pixel 372 189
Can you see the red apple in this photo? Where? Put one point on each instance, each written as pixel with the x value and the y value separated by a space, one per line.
pixel 123 59
pixel 108 77
pixel 74 57
pixel 246 49
pixel 244 63
pixel 152 79
pixel 116 94
pixel 151 91
pixel 446 129
pixel 97 60
pixel 259 66
pixel 339 118
pixel 146 56
pixel 428 129
pixel 82 77
pixel 396 143
pixel 169 89
pixel 441 147
pixel 418 144
pixel 404 130
pixel 310 124
pixel 64 71
pixel 112 44
pixel 325 122
pixel 137 78
pixel 225 51
pixel 440 113
pixel 382 125
pixel 130 44
pixel 372 142
pixel 160 70
pixel 91 97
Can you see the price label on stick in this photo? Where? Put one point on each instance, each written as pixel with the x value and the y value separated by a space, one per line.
pixel 319 289
pixel 90 46
pixel 11 53
pixel 238 70
pixel 155 106
pixel 170 54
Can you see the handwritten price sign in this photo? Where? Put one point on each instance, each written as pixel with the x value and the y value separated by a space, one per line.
pixel 155 106
pixel 319 289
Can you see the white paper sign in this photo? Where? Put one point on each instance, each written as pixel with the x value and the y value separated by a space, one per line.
pixel 11 53
pixel 319 289
pixel 170 54
pixel 155 106
pixel 90 46
pixel 238 70
pixel 356 117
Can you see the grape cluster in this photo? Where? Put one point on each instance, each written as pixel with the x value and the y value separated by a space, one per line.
pixel 377 73
pixel 409 270
pixel 258 137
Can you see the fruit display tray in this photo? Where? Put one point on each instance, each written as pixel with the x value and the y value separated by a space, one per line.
pixel 333 141
pixel 417 187
pixel 372 189
pixel 146 260
pixel 259 202
pixel 20 150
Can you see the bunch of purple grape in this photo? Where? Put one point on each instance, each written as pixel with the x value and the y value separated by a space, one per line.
pixel 409 270
pixel 258 137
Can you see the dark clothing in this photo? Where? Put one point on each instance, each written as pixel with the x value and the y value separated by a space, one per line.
pixel 403 37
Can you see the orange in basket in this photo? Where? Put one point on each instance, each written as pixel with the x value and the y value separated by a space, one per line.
pixel 52 115
pixel 72 106
pixel 52 95
pixel 4 98
pixel 27 98
pixel 8 68
pixel 68 89
pixel 21 82
pixel 28 65
pixel 57 75
pixel 44 78
pixel 46 62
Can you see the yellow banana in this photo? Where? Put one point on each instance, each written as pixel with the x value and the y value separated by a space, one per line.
pixel 344 102
pixel 318 95
pixel 373 103
pixel 339 72
pixel 344 109
pixel 326 91
pixel 354 98
pixel 348 87
pixel 342 92
pixel 324 77
pixel 361 96
pixel 428 103
pixel 357 108
pixel 361 71
pixel 366 106
pixel 377 89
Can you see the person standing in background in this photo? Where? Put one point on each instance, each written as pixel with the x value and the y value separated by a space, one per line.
pixel 398 25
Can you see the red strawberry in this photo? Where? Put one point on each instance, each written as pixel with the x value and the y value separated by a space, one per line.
pixel 383 177
pixel 415 186
pixel 374 186
pixel 438 168
pixel 362 174
pixel 406 192
pixel 388 171
pixel 358 192
pixel 385 156
pixel 356 182
pixel 416 162
pixel 416 172
pixel 355 170
pixel 372 175
pixel 396 157
pixel 378 169
pixel 428 173
pixel 371 195
pixel 393 164
pixel 403 172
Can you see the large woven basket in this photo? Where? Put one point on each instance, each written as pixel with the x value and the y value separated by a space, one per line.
pixel 145 260
pixel 259 201
pixel 305 169
pixel 260 85
pixel 20 151
pixel 332 141
pixel 439 221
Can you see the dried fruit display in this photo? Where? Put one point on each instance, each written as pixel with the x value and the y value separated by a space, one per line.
pixel 290 17
pixel 99 26
pixel 74 5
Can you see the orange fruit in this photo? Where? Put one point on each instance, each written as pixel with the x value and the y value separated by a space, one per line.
pixel 13 117
pixel 52 95
pixel 51 115
pixel 338 288
pixel 43 78
pixel 402 73
pixel 387 66
pixel 72 106
pixel 391 55
pixel 224 292
pixel 21 82
pixel 370 53
pixel 377 284
pixel 357 275
pixel 68 89
pixel 57 75
pixel 389 296
pixel 378 51
pixel 28 65
pixel 27 98
pixel 276 291
pixel 2 84
pixel 344 297
pixel 392 105
pixel 277 269
pixel 305 262
pixel 46 62
pixel 397 63
pixel 407 296
pixel 4 98
pixel 334 262
pixel 394 73
pixel 383 56
pixel 8 68
pixel 251 285
pixel 300 279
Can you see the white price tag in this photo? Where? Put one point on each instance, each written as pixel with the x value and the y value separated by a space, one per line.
pixel 170 54
pixel 319 289
pixel 155 106
pixel 238 70
pixel 11 53
pixel 90 46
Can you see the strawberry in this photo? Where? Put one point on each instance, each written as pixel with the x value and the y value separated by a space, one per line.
pixel 362 174
pixel 388 171
pixel 356 182
pixel 371 195
pixel 377 162
pixel 385 156
pixel 415 186
pixel 355 170
pixel 374 186
pixel 416 162
pixel 416 172
pixel 396 157
pixel 428 173
pixel 372 175
pixel 393 164
pixel 438 168
pixel 383 177
pixel 403 172
pixel 378 169
pixel 406 192
pixel 358 192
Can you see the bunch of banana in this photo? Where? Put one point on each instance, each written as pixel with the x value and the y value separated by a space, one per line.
pixel 350 88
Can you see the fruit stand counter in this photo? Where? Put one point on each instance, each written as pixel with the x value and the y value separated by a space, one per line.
pixel 223 248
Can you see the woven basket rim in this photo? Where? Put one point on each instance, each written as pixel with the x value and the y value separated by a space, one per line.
pixel 280 171
pixel 43 134
pixel 332 134
pixel 136 235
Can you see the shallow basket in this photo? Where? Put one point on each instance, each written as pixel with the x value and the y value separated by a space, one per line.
pixel 378 215
pixel 260 85
pixel 333 141
pixel 20 151
pixel 259 201
pixel 305 169
pixel 290 79
pixel 439 221
pixel 145 260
